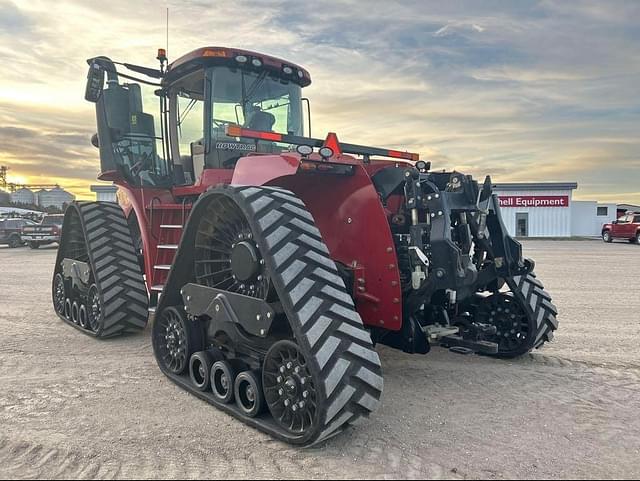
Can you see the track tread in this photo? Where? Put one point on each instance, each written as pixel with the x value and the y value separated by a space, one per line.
pixel 322 314
pixel 537 302
pixel 115 269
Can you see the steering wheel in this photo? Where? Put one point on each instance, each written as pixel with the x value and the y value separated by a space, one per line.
pixel 141 164
pixel 220 123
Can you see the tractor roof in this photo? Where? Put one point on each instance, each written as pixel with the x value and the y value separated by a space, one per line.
pixel 207 56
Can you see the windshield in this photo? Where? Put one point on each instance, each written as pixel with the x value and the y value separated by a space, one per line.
pixel 254 100
pixel 52 220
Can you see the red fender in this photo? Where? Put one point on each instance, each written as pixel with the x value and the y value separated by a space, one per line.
pixel 353 223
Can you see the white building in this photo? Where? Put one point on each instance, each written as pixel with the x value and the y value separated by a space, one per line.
pixel 105 193
pixel 588 216
pixel 56 197
pixel 547 209
pixel 37 194
pixel 23 196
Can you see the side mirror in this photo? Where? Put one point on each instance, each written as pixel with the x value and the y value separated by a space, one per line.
pixel 95 82
pixel 614 222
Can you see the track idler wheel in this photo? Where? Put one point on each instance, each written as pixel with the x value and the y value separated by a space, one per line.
pixel 524 317
pixel 94 313
pixel 59 297
pixel 248 393
pixel 172 340
pixel 290 388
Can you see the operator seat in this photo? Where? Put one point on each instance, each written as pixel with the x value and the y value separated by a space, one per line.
pixel 260 120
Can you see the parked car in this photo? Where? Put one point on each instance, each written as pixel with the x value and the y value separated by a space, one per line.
pixel 626 227
pixel 47 232
pixel 11 231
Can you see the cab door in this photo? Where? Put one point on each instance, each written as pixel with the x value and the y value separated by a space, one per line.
pixel 621 229
pixel 635 225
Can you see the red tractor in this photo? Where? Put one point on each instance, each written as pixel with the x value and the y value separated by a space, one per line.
pixel 274 262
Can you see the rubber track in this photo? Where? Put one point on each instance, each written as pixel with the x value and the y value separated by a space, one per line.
pixel 115 267
pixel 329 331
pixel 321 312
pixel 537 302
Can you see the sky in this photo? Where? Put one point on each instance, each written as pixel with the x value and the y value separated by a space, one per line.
pixel 520 90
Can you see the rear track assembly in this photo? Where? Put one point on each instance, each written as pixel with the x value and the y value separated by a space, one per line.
pixel 97 284
pixel 302 379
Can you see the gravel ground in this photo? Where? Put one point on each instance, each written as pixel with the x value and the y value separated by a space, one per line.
pixel 74 407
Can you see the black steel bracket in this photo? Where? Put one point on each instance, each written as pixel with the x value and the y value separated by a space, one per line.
pixel 255 316
pixel 79 272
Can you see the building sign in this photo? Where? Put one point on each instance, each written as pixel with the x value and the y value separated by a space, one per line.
pixel 534 201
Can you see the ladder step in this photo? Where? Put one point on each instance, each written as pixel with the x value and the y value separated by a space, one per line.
pixel 152 310
pixel 165 207
pixel 171 226
pixel 173 247
pixel 162 267
pixel 158 288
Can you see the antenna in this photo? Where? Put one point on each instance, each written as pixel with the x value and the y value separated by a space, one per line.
pixel 162 52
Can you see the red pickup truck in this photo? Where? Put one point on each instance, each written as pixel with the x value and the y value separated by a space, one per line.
pixel 47 232
pixel 626 227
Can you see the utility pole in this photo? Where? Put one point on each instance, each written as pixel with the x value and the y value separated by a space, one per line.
pixel 3 176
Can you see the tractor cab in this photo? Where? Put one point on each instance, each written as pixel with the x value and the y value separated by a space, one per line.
pixel 200 96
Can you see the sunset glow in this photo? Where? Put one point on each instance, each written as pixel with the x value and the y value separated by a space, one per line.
pixel 527 91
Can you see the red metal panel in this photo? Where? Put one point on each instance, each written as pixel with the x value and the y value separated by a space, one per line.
pixel 140 200
pixel 348 212
pixel 261 169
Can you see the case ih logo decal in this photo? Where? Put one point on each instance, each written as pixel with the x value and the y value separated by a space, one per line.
pixel 534 201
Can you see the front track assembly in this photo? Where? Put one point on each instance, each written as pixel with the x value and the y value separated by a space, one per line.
pixel 97 283
pixel 256 320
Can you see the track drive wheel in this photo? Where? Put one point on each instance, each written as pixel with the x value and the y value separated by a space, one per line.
pixel 175 339
pixel 524 317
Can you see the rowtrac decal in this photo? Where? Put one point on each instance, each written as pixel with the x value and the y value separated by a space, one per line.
pixel 235 146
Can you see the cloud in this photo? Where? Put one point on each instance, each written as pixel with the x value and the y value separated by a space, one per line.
pixel 520 90
pixel 12 19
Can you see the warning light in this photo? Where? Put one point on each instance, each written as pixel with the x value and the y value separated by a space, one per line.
pixel 162 55
pixel 209 52
pixel 237 131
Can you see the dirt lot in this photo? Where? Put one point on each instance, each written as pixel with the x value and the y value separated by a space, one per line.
pixel 74 407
